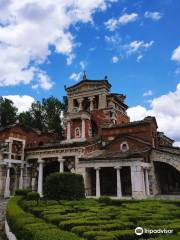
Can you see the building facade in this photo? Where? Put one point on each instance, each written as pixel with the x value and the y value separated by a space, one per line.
pixel 115 156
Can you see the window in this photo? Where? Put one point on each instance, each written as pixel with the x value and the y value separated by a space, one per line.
pixel 124 147
pixel 77 132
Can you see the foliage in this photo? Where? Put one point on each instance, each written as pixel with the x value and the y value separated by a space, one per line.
pixel 96 220
pixel 26 119
pixel 59 186
pixel 53 108
pixel 22 192
pixel 7 112
pixel 45 115
pixel 25 226
pixel 33 196
pixel 105 199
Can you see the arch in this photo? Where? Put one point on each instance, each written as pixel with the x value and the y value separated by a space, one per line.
pixel 168 178
pixel 165 157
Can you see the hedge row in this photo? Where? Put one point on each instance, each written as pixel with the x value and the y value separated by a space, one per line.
pixel 60 186
pixel 26 226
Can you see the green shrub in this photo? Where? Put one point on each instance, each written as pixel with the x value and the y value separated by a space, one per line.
pixel 22 192
pixel 59 186
pixel 27 227
pixel 105 199
pixel 33 196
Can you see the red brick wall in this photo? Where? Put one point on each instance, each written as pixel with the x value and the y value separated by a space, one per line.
pixel 121 118
pixel 142 131
pixel 32 138
pixel 75 124
pixel 133 144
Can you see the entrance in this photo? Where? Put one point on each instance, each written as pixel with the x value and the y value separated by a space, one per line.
pixel 168 178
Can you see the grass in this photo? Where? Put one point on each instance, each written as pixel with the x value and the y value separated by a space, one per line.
pixel 109 220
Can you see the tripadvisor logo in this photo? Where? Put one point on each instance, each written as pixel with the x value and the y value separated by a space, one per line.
pixel 139 231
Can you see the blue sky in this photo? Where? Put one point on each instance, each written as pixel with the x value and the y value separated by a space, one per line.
pixel 48 44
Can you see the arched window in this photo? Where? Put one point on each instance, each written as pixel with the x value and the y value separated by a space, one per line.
pixel 77 132
pixel 124 147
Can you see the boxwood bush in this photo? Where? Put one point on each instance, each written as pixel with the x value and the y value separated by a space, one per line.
pixel 64 186
pixel 27 227
pixel 22 192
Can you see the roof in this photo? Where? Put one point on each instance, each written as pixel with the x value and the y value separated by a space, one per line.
pixel 129 154
pixel 89 81
pixel 134 123
pixel 56 145
pixel 137 139
pixel 161 134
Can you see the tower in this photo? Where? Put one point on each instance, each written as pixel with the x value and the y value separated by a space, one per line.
pixel 91 105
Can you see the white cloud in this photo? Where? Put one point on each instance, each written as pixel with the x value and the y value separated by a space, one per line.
pixel 23 103
pixel 155 16
pixel 83 64
pixel 115 59
pixel 137 46
pixel 176 54
pixel 166 109
pixel 113 23
pixel 127 18
pixel 75 76
pixel 139 58
pixel 148 93
pixel 30 31
pixel 176 144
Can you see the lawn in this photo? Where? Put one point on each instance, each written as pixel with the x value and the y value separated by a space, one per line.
pixel 109 220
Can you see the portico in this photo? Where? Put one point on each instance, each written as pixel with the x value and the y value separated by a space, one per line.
pixel 138 174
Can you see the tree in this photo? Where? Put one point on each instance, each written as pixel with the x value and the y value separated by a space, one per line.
pixel 45 115
pixel 7 112
pixel 53 108
pixel 38 115
pixel 25 119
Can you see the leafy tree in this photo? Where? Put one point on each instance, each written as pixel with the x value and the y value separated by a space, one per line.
pixel 45 115
pixel 25 119
pixel 53 108
pixel 37 113
pixel 7 112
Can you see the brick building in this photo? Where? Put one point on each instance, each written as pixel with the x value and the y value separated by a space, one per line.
pixel 115 156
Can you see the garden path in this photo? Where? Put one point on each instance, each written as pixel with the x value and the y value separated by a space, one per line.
pixel 2 213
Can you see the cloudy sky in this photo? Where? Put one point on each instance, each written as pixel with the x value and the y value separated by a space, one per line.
pixel 47 44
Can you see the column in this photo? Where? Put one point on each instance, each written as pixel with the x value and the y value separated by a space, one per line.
pixel 68 130
pixel 118 172
pixel 61 164
pixel 40 177
pixel 98 188
pixel 137 181
pixel 10 149
pixel 7 183
pixel 22 155
pixel 147 182
pixel 83 128
pixel 80 101
pixel 21 178
pixel 91 103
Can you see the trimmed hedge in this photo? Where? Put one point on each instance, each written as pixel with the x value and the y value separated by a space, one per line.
pixel 33 196
pixel 22 192
pixel 61 186
pixel 27 227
